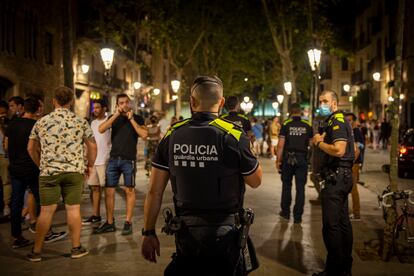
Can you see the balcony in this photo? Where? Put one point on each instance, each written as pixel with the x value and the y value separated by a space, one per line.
pixel 356 77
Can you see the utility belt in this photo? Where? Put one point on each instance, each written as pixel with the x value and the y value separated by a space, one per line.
pixel 329 174
pixel 237 225
pixel 291 157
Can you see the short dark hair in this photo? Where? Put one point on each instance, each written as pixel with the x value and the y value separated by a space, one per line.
pixel 101 102
pixel 4 104
pixel 31 105
pixel 351 115
pixel 63 95
pixel 232 102
pixel 122 95
pixel 17 100
pixel 295 108
pixel 332 93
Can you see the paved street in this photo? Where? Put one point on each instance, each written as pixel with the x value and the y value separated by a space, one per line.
pixel 283 248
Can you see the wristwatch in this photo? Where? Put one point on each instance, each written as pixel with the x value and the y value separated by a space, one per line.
pixel 148 232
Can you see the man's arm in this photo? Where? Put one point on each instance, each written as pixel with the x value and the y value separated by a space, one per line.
pixel 34 148
pixel 140 130
pixel 108 123
pixel 91 151
pixel 6 143
pixel 158 181
pixel 279 152
pixel 255 179
pixel 336 149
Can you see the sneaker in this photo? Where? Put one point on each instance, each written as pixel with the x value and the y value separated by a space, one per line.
pixel 283 217
pixel 78 252
pixel 273 158
pixel 21 242
pixel 354 217
pixel 32 227
pixel 92 219
pixel 52 237
pixel 297 221
pixel 127 228
pixel 34 257
pixel 105 228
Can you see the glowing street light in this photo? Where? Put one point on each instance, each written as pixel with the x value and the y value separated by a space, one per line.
pixel 346 87
pixel 390 98
pixel 246 99
pixel 174 97
pixel 175 85
pixel 314 56
pixel 107 55
pixel 275 105
pixel 280 98
pixel 288 87
pixel 137 85
pixel 246 106
pixel 376 76
pixel 85 68
pixel 157 91
pixel 246 79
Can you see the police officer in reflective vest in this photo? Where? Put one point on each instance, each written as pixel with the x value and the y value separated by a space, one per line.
pixel 292 152
pixel 337 142
pixel 241 120
pixel 208 161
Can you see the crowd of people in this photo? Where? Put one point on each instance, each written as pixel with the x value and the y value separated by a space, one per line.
pixel 45 160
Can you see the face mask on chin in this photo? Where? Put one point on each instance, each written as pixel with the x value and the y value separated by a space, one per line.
pixel 325 110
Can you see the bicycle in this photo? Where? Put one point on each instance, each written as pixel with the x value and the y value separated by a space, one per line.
pixel 403 231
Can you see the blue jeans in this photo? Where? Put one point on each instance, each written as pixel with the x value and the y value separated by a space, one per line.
pixel 299 170
pixel 19 186
pixel 116 167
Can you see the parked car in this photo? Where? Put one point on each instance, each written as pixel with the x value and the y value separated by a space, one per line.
pixel 406 153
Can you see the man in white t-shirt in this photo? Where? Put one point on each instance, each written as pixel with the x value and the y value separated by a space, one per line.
pixel 164 124
pixel 96 178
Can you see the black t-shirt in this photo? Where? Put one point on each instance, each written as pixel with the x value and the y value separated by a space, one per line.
pixel 239 120
pixel 124 138
pixel 297 133
pixel 339 129
pixel 18 133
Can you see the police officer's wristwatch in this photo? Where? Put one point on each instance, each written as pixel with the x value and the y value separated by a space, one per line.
pixel 148 232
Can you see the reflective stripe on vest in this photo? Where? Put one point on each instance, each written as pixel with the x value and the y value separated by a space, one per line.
pixel 227 127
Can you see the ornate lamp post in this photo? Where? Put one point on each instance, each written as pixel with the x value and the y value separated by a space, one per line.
pixel 107 55
pixel 314 56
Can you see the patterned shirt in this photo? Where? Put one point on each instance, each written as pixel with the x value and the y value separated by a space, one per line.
pixel 61 135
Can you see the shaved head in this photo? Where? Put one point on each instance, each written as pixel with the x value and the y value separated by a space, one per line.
pixel 206 92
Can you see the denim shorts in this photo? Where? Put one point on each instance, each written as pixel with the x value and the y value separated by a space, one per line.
pixel 116 167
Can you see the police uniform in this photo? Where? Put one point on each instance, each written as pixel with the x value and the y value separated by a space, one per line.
pixel 238 119
pixel 206 158
pixel 337 175
pixel 296 132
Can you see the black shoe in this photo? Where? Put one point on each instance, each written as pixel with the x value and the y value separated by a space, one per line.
pixel 282 216
pixel 127 228
pixel 21 242
pixel 105 228
pixel 297 221
pixel 92 219
pixel 34 257
pixel 78 252
pixel 52 237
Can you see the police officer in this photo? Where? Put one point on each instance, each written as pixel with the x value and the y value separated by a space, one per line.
pixel 208 161
pixel 337 143
pixel 292 151
pixel 233 106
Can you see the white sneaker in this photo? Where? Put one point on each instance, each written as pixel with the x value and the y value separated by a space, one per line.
pixel 354 218
pixel 273 158
pixel 6 211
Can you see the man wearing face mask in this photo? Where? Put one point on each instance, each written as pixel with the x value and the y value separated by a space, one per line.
pixel 208 161
pixel 337 143
pixel 125 129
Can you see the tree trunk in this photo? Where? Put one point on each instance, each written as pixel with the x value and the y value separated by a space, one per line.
pixel 178 101
pixel 67 44
pixel 395 124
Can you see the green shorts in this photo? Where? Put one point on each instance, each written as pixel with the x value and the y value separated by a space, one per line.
pixel 69 185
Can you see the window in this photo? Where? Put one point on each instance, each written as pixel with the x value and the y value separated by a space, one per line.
pixel 30 35
pixel 48 48
pixel 8 27
pixel 344 64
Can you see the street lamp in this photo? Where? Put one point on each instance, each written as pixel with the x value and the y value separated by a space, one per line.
pixel 85 68
pixel 174 97
pixel 107 55
pixel 246 99
pixel 347 88
pixel 376 76
pixel 280 98
pixel 157 91
pixel 288 87
pixel 137 85
pixel 175 85
pixel 275 105
pixel 246 79
pixel 314 56
pixel 246 106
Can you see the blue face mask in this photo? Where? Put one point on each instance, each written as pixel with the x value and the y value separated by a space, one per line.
pixel 325 110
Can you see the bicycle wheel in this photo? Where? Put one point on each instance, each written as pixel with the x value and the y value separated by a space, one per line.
pixel 403 238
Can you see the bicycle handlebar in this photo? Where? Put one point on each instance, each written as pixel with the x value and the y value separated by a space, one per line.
pixel 397 196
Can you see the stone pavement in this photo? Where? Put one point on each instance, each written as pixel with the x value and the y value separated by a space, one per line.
pixel 282 248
